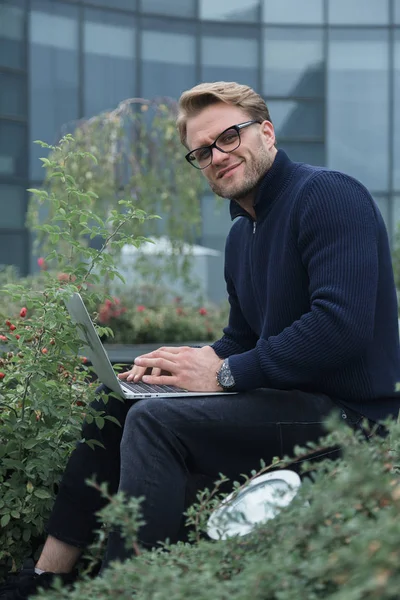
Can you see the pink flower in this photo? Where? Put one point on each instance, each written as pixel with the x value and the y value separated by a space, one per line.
pixel 104 314
pixel 111 309
pixel 140 308
pixel 41 262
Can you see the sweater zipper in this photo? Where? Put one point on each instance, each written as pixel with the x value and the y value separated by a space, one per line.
pixel 260 308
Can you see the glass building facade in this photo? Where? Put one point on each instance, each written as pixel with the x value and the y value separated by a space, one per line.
pixel 328 69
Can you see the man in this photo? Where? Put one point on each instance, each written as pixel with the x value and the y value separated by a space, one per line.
pixel 312 329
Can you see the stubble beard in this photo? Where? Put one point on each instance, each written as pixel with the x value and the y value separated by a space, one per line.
pixel 262 162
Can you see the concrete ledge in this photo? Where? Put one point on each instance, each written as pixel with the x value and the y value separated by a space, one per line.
pixel 126 353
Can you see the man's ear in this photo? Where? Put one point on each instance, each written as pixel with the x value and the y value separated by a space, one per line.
pixel 268 132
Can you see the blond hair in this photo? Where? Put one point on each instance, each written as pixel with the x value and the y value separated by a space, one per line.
pixel 199 97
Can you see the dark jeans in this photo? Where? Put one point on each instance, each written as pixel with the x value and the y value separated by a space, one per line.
pixel 164 442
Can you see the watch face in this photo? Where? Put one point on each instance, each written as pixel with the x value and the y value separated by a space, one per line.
pixel 225 377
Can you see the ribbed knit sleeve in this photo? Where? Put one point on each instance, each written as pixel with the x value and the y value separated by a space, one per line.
pixel 335 230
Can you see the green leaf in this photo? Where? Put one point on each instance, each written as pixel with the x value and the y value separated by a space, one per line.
pixel 26 535
pixel 99 422
pixel 42 493
pixel 38 192
pixel 30 444
pixel 42 144
pixel 113 420
pixel 5 519
pixel 93 443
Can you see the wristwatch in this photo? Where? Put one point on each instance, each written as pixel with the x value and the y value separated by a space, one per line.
pixel 225 378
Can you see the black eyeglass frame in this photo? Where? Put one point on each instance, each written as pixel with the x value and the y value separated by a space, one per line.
pixel 237 128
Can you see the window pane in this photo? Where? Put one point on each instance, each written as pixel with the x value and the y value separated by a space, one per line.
pixel 216 287
pixel 357 105
pixel 12 206
pixel 397 11
pixel 396 215
pixel 230 10
pixel 345 12
pixel 293 62
pixel 109 46
pixel 312 153
pixel 181 8
pixel 13 159
pixel 215 216
pixel 297 119
pixel 168 63
pixel 12 95
pixel 396 161
pixel 54 75
pixel 383 205
pixel 290 11
pixel 13 250
pixel 125 4
pixel 229 58
pixel 12 36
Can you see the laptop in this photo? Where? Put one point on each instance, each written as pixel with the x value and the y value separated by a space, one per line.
pixel 94 350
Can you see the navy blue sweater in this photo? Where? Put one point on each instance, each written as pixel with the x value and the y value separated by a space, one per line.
pixel 312 298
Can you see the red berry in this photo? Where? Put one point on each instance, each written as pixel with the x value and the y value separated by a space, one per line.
pixel 44 351
pixel 203 311
pixel 17 336
pixel 3 338
pixel 8 323
pixel 12 327
pixel 2 375
pixel 22 312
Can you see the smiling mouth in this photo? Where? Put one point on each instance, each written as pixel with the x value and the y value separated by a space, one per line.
pixel 227 171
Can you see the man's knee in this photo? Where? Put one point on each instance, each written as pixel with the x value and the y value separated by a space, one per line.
pixel 150 418
pixel 145 410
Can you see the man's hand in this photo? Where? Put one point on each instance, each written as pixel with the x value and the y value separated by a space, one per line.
pixel 193 369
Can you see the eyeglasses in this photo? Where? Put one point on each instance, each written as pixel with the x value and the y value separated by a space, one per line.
pixel 227 141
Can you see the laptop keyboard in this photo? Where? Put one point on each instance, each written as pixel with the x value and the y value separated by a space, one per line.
pixel 139 388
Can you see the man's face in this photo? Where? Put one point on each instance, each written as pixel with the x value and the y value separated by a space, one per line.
pixel 234 175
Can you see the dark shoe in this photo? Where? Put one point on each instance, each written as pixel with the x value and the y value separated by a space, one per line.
pixel 26 583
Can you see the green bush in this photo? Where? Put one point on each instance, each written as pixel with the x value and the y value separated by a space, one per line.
pixel 131 322
pixel 43 382
pixel 166 323
pixel 338 539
